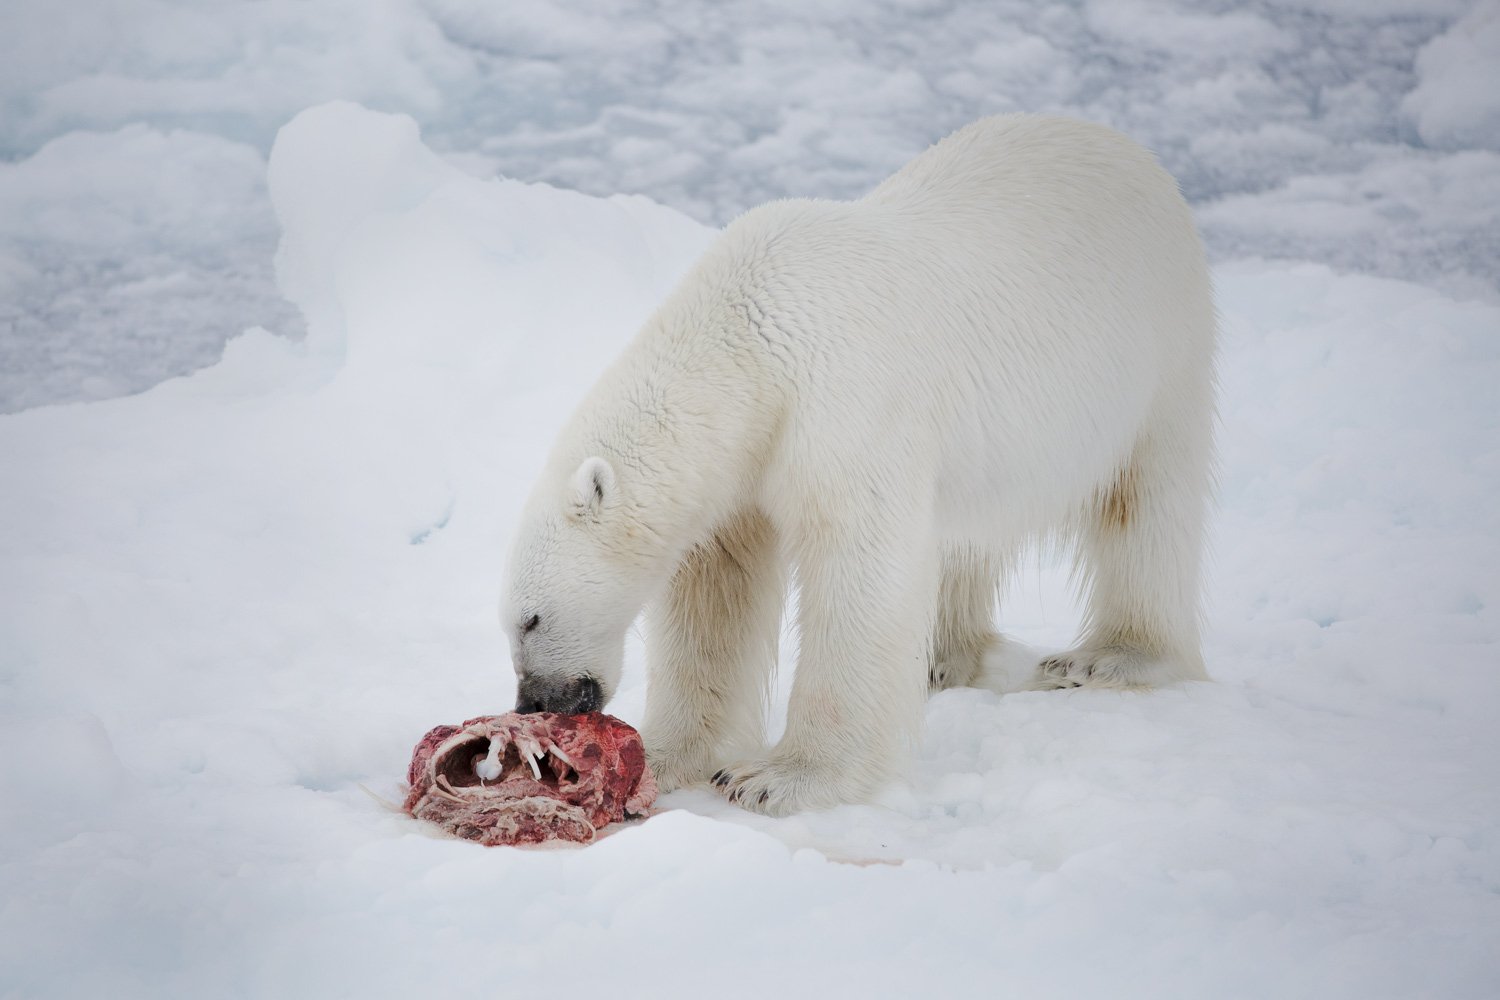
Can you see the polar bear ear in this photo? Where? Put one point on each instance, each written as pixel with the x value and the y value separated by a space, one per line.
pixel 591 489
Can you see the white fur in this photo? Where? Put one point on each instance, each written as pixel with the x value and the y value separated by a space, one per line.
pixel 1010 339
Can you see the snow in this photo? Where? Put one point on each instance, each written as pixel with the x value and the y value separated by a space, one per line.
pixel 237 598
pixel 1456 103
pixel 122 255
pixel 232 601
pixel 1341 115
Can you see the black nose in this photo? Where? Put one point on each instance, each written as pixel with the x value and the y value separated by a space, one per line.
pixel 573 697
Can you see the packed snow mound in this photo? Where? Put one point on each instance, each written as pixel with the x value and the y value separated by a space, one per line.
pixel 233 600
pixel 363 203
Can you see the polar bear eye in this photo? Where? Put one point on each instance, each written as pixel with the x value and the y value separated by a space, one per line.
pixel 530 624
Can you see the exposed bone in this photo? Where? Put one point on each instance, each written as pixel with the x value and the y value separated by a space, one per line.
pixel 392 806
pixel 490 768
pixel 443 793
pixel 556 751
pixel 531 751
pixel 446 788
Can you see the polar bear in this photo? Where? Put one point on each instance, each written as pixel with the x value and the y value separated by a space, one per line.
pixel 883 400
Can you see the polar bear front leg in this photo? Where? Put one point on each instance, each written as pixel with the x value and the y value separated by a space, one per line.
pixel 866 602
pixel 711 650
pixel 963 631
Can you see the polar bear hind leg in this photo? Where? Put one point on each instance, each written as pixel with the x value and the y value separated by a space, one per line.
pixel 1138 559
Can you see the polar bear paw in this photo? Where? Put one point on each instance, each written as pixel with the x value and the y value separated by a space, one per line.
pixel 779 785
pixel 953 672
pixel 1109 667
pixel 674 770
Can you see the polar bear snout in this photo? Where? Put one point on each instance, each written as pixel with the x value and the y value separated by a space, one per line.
pixel 566 697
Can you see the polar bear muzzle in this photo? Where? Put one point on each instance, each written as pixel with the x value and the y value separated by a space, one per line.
pixel 565 697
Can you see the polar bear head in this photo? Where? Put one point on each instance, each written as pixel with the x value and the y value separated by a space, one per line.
pixel 574 584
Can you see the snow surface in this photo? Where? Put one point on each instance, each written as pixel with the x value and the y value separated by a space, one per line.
pixel 233 602
pixel 135 233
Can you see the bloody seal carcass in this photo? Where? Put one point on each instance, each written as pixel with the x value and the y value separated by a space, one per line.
pixel 527 779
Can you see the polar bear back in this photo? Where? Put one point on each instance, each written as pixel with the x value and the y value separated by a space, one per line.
pixel 1005 315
